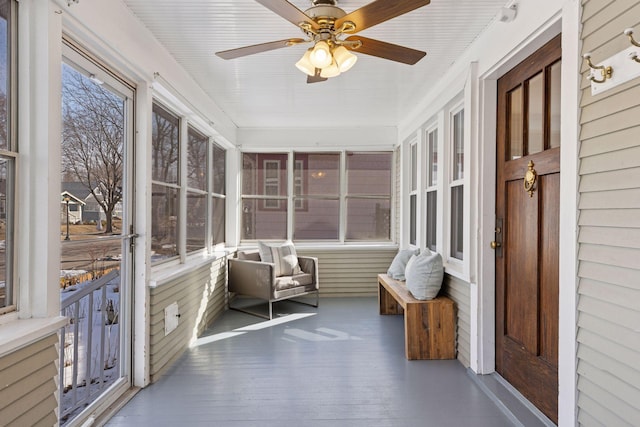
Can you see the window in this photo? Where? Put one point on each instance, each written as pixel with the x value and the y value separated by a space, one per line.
pixel 197 187
pixel 413 194
pixel 8 154
pixel 432 189
pixel 457 185
pixel 369 196
pixel 165 188
pixel 317 196
pixel 200 184
pixel 335 196
pixel 218 192
pixel 264 196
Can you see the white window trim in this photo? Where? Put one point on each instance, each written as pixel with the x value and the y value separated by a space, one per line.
pixel 414 185
pixel 428 167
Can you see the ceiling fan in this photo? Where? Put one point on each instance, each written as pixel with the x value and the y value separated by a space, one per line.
pixel 331 30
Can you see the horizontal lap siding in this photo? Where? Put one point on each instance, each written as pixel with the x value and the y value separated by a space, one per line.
pixel 28 385
pixel 350 272
pixel 609 229
pixel 458 290
pixel 200 295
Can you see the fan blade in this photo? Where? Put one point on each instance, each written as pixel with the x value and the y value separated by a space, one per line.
pixel 288 12
pixel 257 48
pixel 316 78
pixel 386 50
pixel 379 11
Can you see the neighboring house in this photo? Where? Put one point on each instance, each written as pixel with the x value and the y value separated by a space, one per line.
pixel 71 208
pixel 85 208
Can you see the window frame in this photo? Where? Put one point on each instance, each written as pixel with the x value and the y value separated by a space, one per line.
pixel 292 198
pixel 432 182
pixel 456 183
pixel 11 155
pixel 186 124
pixel 413 192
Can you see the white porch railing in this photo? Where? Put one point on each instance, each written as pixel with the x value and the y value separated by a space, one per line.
pixel 89 345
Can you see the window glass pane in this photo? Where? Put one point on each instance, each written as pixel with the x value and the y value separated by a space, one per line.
pixel 535 134
pixel 219 169
pixel 218 220
pixel 458 145
pixel 317 174
pixel 432 210
pixel 369 173
pixel 318 221
pixel 432 159
pixel 165 147
pixel 196 221
pixel 4 74
pixel 164 222
pixel 93 124
pixel 264 174
pixel 412 219
pixel 260 220
pixel 6 289
pixel 554 105
pixel 515 123
pixel 368 219
pixel 197 160
pixel 414 167
pixel 457 218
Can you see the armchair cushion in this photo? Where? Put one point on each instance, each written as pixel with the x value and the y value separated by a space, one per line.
pixel 283 256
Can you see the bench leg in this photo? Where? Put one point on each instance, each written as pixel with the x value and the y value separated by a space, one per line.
pixel 386 302
pixel 429 331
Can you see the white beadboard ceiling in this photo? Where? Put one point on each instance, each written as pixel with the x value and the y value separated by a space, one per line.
pixel 267 90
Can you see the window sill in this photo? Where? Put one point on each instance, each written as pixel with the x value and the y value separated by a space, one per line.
pixel 19 333
pixel 166 273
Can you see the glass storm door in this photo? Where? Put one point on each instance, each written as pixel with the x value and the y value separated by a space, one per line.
pixel 95 236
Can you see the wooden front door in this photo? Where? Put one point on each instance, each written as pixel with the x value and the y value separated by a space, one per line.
pixel 527 227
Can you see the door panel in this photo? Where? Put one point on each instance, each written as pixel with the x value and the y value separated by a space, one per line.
pixel 521 283
pixel 527 266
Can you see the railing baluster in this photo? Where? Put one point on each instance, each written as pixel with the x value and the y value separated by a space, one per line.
pixel 103 311
pixel 76 328
pixel 87 374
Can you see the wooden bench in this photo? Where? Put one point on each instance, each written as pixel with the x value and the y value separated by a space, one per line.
pixel 429 326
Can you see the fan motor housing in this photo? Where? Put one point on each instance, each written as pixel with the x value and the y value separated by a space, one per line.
pixel 325 12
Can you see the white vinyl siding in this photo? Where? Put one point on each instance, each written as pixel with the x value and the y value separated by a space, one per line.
pixel 609 229
pixel 28 386
pixel 458 290
pixel 350 272
pixel 190 290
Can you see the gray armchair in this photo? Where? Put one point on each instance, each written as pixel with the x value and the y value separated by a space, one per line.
pixel 249 276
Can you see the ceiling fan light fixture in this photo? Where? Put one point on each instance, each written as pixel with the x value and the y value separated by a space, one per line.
pixel 344 58
pixel 331 71
pixel 305 65
pixel 321 55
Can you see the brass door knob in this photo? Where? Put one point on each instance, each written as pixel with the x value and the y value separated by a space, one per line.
pixel 495 245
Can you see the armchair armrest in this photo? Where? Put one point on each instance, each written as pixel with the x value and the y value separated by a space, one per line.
pixel 252 278
pixel 310 266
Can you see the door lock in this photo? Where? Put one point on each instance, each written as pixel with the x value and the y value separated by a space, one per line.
pixel 495 245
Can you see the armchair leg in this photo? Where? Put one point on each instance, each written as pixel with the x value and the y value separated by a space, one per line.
pixel 309 303
pixel 255 313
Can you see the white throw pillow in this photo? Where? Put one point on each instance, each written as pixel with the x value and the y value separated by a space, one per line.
pixel 283 256
pixel 424 274
pixel 399 264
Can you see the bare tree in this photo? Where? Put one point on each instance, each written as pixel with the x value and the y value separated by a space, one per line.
pixel 93 139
